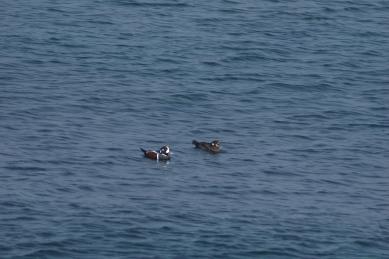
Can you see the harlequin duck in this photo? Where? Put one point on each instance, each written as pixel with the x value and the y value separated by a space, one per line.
pixel 162 154
pixel 213 147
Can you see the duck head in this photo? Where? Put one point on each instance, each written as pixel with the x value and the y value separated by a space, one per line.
pixel 215 145
pixel 164 150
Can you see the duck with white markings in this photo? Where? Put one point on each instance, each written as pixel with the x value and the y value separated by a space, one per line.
pixel 162 154
pixel 212 147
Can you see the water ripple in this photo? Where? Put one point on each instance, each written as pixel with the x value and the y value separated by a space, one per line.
pixel 296 92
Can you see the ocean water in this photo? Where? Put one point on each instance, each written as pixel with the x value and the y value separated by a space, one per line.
pixel 296 91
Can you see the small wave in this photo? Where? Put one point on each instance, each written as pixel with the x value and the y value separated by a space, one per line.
pixel 25 168
pixel 152 4
pixel 282 252
pixel 367 125
pixel 246 57
pixel 211 63
pixel 47 253
pixel 231 77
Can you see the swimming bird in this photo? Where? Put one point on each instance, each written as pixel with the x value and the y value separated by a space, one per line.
pixel 213 147
pixel 162 154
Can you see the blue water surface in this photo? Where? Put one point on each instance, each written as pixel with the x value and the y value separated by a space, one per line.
pixel 296 91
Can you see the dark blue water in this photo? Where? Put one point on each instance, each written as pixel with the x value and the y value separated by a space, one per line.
pixel 297 92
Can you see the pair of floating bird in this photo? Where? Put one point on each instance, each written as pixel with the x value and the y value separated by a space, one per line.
pixel 164 152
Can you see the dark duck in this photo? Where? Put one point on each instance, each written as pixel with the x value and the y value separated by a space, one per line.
pixel 162 154
pixel 213 147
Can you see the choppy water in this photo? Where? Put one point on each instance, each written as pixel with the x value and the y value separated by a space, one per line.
pixel 297 91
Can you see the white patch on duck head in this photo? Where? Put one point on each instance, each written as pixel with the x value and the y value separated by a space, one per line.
pixel 215 143
pixel 164 150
